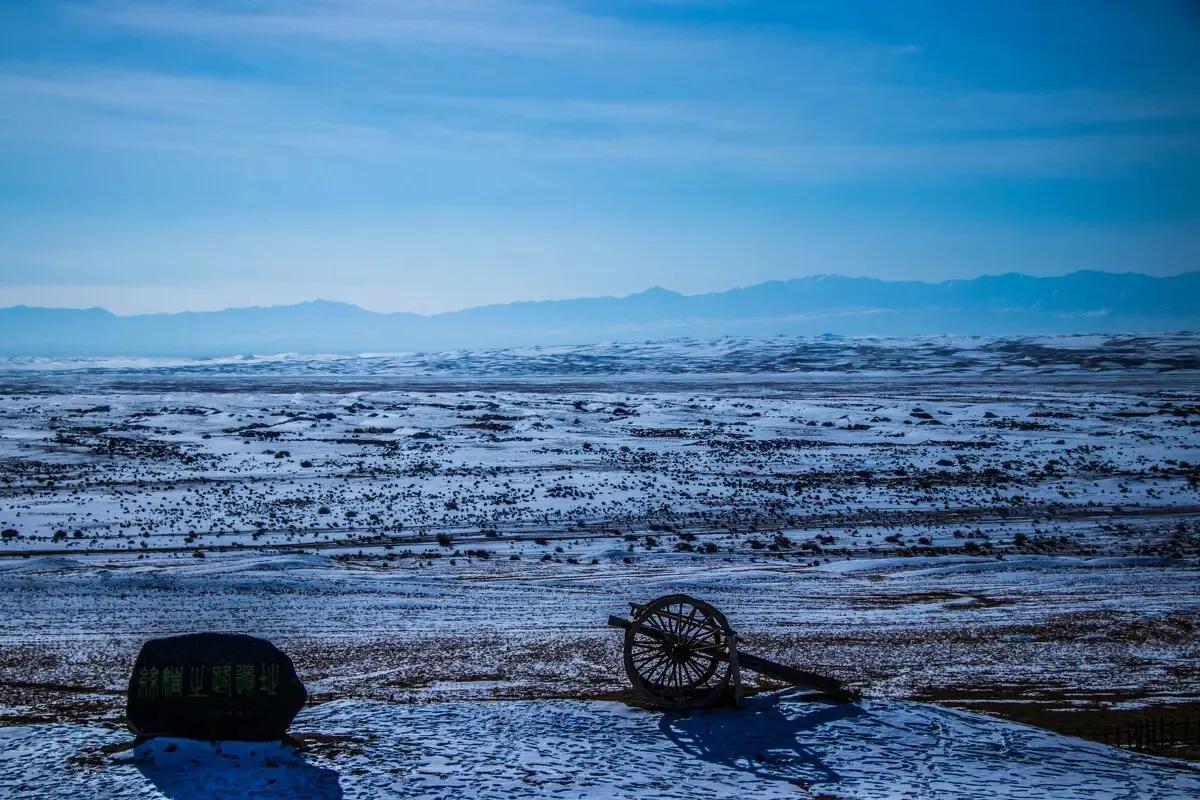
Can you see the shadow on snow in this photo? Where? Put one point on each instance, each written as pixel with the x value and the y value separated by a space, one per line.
pixel 182 769
pixel 760 738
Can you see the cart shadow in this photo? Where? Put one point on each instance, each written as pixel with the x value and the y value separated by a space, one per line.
pixel 760 738
pixel 188 770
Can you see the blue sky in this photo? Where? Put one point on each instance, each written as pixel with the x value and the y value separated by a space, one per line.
pixel 433 155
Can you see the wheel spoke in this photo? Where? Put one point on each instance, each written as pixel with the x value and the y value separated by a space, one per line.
pixel 650 652
pixel 706 634
pixel 642 649
pixel 645 658
pixel 689 624
pixel 694 676
pixel 668 625
pixel 655 659
pixel 651 621
pixel 710 650
pixel 654 669
pixel 653 672
pixel 642 661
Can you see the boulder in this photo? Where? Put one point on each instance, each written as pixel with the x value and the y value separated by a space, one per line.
pixel 213 686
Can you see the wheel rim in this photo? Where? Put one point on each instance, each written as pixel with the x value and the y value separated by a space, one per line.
pixel 676 652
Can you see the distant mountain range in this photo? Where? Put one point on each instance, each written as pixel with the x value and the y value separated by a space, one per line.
pixel 1081 302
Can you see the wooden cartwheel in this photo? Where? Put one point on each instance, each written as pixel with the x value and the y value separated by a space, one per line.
pixel 680 653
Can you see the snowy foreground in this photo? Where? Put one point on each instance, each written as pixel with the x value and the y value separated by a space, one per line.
pixel 775 748
pixel 1004 526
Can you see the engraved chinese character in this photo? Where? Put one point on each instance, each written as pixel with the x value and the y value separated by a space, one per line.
pixel 220 679
pixel 172 682
pixel 196 681
pixel 268 682
pixel 148 683
pixel 243 679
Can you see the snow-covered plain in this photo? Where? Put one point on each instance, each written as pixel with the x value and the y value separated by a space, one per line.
pixel 1004 525
pixel 774 748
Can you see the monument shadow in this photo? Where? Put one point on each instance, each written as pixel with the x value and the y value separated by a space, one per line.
pixel 191 770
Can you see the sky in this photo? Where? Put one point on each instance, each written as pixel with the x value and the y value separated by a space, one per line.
pixel 439 154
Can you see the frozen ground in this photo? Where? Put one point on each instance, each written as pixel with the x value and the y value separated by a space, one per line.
pixel 1011 526
pixel 775 748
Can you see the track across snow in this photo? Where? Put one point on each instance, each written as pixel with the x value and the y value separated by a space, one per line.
pixel 777 747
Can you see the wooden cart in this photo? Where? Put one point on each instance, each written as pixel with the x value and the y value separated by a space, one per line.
pixel 680 652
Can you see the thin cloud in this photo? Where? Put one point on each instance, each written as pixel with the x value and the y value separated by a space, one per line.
pixel 241 118
pixel 491 24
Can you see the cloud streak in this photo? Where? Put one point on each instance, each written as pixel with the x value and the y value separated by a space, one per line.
pixel 502 25
pixel 851 108
pixel 1063 134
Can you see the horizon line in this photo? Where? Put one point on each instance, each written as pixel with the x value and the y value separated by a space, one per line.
pixel 655 288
